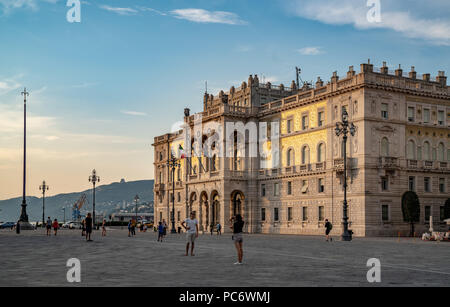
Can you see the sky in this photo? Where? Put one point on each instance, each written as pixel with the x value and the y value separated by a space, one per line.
pixel 101 89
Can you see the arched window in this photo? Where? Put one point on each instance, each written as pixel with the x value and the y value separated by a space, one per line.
pixel 305 154
pixel 384 147
pixel 441 152
pixel 426 151
pixel 321 152
pixel 290 157
pixel 411 150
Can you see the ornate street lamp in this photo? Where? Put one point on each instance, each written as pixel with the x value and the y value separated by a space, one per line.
pixel 343 129
pixel 172 164
pixel 44 187
pixel 94 179
pixel 23 214
pixel 136 200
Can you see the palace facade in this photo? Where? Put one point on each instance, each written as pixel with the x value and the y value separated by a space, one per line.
pixel 401 143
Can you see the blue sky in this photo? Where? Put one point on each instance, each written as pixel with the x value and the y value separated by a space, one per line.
pixel 103 88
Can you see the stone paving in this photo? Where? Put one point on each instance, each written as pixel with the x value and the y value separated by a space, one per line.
pixel 32 259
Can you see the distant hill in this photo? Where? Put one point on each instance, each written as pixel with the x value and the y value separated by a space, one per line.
pixel 108 198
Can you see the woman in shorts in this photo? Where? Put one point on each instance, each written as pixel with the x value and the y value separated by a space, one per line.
pixel 237 225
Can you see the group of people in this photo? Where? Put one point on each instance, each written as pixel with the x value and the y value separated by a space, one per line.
pixel 86 227
pixel 52 224
pixel 217 228
pixel 162 230
pixel 236 225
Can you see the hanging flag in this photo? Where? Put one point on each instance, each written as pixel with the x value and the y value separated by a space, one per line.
pixel 181 152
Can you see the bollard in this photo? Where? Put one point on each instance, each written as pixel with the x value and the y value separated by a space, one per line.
pixel 18 228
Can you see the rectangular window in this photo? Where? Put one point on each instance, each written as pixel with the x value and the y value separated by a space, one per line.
pixel 276 189
pixel 426 116
pixel 178 216
pixel 304 214
pixel 321 185
pixel 412 183
pixel 289 213
pixel 385 213
pixel 427 213
pixel 320 119
pixel 275 215
pixel 263 190
pixel 289 125
pixel 442 185
pixel 442 213
pixel 171 197
pixel 410 114
pixel 384 111
pixel 289 188
pixel 384 184
pixel 426 184
pixel 441 116
pixel 179 196
pixel 160 216
pixel 305 122
pixel 321 213
pixel 263 214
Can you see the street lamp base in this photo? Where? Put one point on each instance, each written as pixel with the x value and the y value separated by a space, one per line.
pixel 26 226
pixel 173 231
pixel 346 236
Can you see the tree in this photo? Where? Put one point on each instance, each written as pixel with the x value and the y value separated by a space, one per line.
pixel 411 209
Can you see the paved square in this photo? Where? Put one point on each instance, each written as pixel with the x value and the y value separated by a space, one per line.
pixel 32 259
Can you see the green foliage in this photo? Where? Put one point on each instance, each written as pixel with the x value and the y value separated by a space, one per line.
pixel 410 207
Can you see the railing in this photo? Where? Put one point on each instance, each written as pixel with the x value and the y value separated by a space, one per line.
pixel 388 162
pixel 412 163
pixel 305 168
pixel 443 164
pixel 428 164
pixel 320 166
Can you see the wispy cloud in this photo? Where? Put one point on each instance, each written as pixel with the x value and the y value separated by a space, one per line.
pixel 310 51
pixel 412 18
pixel 149 9
pixel 134 113
pixel 6 6
pixel 204 16
pixel 119 10
pixel 8 84
pixel 84 85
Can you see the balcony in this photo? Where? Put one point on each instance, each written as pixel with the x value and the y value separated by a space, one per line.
pixel 305 168
pixel 388 163
pixel 338 164
pixel 159 187
pixel 428 164
pixel 320 166
pixel 443 165
pixel 412 163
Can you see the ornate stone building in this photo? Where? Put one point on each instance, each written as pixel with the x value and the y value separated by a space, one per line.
pixel 401 144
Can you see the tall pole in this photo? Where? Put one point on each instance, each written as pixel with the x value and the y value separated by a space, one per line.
pixel 344 128
pixel 64 209
pixel 44 187
pixel 136 199
pixel 94 179
pixel 23 214
pixel 172 163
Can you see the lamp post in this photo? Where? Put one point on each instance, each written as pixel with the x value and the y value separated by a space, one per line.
pixel 343 129
pixel 44 187
pixel 173 163
pixel 64 209
pixel 136 200
pixel 23 214
pixel 94 179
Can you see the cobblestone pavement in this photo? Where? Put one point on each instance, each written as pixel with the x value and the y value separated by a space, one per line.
pixel 32 259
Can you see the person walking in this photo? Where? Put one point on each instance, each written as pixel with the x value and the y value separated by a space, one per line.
pixel 88 224
pixel 49 226
pixel 191 226
pixel 328 227
pixel 165 227
pixel 219 229
pixel 236 225
pixel 160 232
pixel 211 228
pixel 55 226
pixel 130 225
pixel 104 228
pixel 133 227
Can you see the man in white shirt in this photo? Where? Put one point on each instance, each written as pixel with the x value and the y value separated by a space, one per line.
pixel 191 226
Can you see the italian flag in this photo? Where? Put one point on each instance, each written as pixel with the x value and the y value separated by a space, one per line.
pixel 181 152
